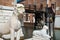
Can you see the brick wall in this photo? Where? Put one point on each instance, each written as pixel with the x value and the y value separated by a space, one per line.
pixel 6 2
pixel 58 5
pixel 9 3
pixel 44 4
pixel 32 2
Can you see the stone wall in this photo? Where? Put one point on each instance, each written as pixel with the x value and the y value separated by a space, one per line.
pixel 5 15
pixel 57 21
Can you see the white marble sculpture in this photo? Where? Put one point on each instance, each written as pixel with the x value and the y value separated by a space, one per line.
pixel 40 34
pixel 12 28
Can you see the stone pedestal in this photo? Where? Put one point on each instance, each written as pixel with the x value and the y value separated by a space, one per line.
pixel 28 29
